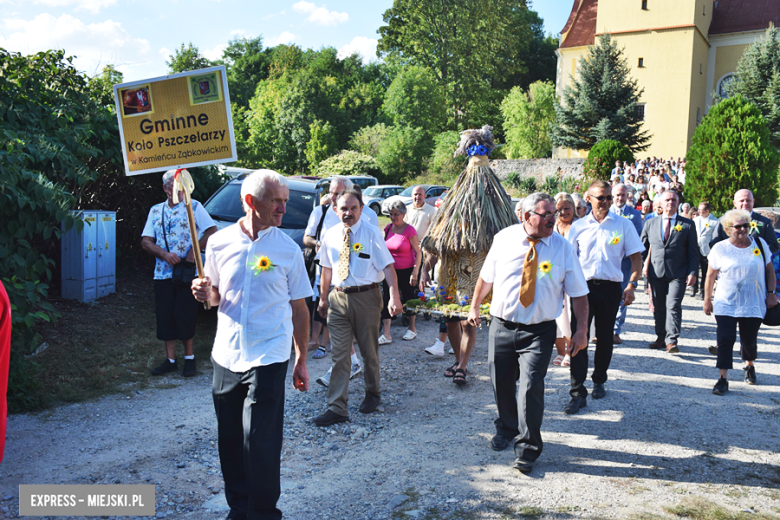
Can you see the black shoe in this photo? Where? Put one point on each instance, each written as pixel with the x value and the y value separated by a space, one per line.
pixel 713 350
pixel 189 368
pixel 750 375
pixel 523 466
pixel 721 387
pixel 165 367
pixel 329 418
pixel 369 404
pixel 598 391
pixel 499 442
pixel 575 404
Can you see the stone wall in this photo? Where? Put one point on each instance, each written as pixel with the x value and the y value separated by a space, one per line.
pixel 539 168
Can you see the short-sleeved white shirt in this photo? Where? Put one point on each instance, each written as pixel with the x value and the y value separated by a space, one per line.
pixel 254 322
pixel 365 267
pixel 741 291
pixel 177 231
pixel 595 245
pixel 503 268
pixel 420 218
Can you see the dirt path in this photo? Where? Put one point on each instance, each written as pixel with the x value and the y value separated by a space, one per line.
pixel 660 438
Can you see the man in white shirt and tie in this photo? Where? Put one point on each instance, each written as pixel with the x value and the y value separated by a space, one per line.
pixel 354 260
pixel 601 239
pixel 529 268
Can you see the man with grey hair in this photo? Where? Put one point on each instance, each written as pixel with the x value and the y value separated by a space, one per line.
pixel 743 199
pixel 255 274
pixel 166 236
pixel 529 268
pixel 647 209
pixel 419 215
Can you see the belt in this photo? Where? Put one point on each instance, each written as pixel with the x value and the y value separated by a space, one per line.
pixel 357 288
pixel 600 282
pixel 513 325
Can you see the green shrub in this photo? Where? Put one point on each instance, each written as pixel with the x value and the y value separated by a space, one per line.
pixel 348 162
pixel 551 185
pixel 601 159
pixel 528 185
pixel 368 139
pixel 513 180
pixel 569 184
pixel 731 150
pixel 403 153
pixel 442 162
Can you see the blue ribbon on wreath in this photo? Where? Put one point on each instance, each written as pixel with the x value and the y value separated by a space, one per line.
pixel 475 149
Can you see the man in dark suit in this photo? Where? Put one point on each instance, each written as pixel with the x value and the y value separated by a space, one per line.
pixel 743 199
pixel 619 207
pixel 671 266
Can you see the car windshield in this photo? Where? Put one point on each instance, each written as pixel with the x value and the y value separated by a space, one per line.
pixel 226 205
pixel 372 192
pixel 407 192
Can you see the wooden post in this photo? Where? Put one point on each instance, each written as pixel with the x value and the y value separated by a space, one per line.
pixel 195 243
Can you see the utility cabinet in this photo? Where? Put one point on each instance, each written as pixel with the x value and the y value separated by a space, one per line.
pixel 89 257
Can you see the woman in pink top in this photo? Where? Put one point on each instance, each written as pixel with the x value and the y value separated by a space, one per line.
pixel 401 239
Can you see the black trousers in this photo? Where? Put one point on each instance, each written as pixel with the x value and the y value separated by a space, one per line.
pixel 250 418
pixel 518 356
pixel 176 310
pixel 727 336
pixel 603 303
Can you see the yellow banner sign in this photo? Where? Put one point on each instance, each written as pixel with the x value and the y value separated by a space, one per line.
pixel 176 121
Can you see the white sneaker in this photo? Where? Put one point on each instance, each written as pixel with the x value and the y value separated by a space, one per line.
pixel 356 369
pixel 325 380
pixel 437 349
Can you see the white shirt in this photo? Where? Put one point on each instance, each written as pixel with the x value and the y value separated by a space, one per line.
pixel 369 215
pixel 593 243
pixel 671 220
pixel 705 229
pixel 420 218
pixel 254 322
pixel 741 290
pixel 366 266
pixel 503 268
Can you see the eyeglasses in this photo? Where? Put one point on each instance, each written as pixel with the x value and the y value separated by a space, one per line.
pixel 741 226
pixel 602 198
pixel 547 216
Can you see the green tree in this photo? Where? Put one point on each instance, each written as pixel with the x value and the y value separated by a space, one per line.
pixel 247 65
pixel 474 50
pixel 186 58
pixel 601 159
pixel 416 99
pixel 348 162
pixel 402 153
pixel 322 143
pixel 527 118
pixel 442 162
pixel 758 79
pixel 599 104
pixel 369 139
pixel 102 85
pixel 732 150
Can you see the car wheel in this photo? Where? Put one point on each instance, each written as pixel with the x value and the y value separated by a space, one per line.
pixel 377 208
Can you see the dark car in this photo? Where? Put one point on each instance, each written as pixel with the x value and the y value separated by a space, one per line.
pixel 225 205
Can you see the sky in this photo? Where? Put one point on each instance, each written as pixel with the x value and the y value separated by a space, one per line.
pixel 138 36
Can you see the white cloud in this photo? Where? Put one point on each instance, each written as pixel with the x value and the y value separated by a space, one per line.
pixel 94 45
pixel 87 5
pixel 215 53
pixel 238 32
pixel 366 47
pixel 320 15
pixel 285 38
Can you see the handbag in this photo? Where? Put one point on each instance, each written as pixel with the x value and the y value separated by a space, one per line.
pixel 772 317
pixel 310 253
pixel 183 272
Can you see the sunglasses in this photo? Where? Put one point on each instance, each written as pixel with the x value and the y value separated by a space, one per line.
pixel 603 198
pixel 741 226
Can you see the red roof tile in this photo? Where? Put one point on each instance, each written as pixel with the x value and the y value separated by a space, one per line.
pixel 583 25
pixel 572 15
pixel 732 16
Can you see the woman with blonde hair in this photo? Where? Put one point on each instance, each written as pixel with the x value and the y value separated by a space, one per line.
pixel 565 206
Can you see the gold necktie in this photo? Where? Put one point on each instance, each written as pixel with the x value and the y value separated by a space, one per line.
pixel 344 256
pixel 528 281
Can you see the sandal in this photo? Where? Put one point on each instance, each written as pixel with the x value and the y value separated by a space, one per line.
pixel 383 340
pixel 322 351
pixel 558 360
pixel 450 372
pixel 460 377
pixel 566 361
pixel 410 335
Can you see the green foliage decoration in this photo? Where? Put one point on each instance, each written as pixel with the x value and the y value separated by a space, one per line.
pixel 732 150
pixel 527 118
pixel 601 159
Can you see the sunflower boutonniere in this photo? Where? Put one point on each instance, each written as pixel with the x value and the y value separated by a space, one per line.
pixel 756 251
pixel 678 227
pixel 357 247
pixel 545 268
pixel 614 239
pixel 754 225
pixel 261 264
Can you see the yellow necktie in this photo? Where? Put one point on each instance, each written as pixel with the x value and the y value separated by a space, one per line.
pixel 528 281
pixel 344 256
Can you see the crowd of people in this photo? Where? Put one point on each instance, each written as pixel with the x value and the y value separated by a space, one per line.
pixel 557 277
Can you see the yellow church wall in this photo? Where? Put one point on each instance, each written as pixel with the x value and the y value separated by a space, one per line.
pixel 698 89
pixel 627 15
pixel 726 60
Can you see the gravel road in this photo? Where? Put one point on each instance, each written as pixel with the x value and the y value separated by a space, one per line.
pixel 659 438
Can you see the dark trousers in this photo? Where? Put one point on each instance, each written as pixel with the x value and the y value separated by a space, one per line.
pixel 667 294
pixel 250 418
pixel 727 336
pixel 703 264
pixel 603 303
pixel 518 356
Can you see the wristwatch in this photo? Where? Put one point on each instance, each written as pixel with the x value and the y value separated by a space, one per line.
pixel 635 284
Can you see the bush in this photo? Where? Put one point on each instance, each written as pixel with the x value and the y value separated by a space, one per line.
pixel 442 162
pixel 569 184
pixel 513 180
pixel 348 162
pixel 402 153
pixel 551 185
pixel 602 157
pixel 527 118
pixel 368 139
pixel 731 150
pixel 528 185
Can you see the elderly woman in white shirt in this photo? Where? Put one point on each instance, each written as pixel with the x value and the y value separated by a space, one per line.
pixel 746 283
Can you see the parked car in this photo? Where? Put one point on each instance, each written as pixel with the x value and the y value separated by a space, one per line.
pixel 225 205
pixel 432 192
pixel 374 195
pixel 440 200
